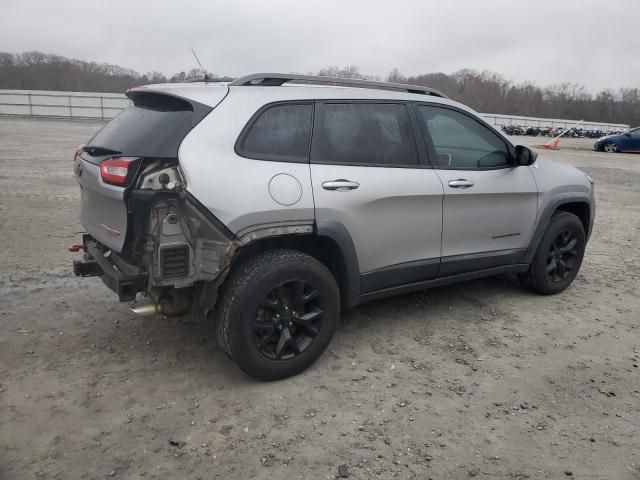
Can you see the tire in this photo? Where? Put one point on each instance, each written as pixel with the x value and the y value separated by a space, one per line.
pixel 277 313
pixel 610 147
pixel 559 255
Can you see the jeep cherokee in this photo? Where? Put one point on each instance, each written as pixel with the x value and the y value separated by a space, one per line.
pixel 271 202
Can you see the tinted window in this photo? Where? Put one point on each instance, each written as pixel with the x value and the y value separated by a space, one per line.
pixel 281 132
pixel 460 141
pixel 362 133
pixel 153 127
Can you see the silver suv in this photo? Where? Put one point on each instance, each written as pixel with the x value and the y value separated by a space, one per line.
pixel 270 203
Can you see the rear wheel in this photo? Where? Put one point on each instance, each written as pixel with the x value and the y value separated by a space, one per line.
pixel 559 255
pixel 277 313
pixel 610 147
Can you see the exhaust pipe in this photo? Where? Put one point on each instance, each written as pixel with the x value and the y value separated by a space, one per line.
pixel 171 303
pixel 148 310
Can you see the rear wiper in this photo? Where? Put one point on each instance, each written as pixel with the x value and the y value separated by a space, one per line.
pixel 98 151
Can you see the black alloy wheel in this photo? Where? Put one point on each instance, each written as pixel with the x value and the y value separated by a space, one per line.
pixel 288 320
pixel 562 256
pixel 558 257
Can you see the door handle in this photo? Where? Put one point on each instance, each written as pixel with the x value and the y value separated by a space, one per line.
pixel 340 185
pixel 461 183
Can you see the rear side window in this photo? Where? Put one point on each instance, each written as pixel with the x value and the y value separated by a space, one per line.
pixel 364 134
pixel 460 141
pixel 153 126
pixel 280 132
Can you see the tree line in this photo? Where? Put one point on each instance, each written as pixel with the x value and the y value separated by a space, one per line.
pixel 486 92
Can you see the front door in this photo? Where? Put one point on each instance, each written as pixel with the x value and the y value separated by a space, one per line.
pixel 630 141
pixel 366 175
pixel 490 206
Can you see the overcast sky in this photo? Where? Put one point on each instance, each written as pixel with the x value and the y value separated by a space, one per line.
pixel 593 42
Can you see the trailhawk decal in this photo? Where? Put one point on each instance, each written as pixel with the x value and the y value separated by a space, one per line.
pixel 506 235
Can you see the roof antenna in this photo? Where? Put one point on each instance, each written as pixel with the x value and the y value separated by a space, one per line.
pixel 206 77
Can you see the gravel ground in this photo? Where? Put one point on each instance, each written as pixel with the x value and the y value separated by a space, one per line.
pixel 481 379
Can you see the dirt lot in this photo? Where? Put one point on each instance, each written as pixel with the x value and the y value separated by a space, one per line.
pixel 481 379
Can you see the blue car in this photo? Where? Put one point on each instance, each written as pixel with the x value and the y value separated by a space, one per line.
pixel 622 142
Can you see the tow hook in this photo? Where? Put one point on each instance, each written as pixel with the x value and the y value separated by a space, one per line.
pixel 77 248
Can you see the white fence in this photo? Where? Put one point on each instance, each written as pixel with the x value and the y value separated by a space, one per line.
pixel 37 103
pixel 500 120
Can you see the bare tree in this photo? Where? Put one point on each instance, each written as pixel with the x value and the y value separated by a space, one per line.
pixel 484 91
pixel 396 77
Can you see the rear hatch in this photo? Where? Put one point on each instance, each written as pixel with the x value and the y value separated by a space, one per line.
pixel 106 167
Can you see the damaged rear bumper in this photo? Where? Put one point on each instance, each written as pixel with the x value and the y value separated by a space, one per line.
pixel 94 263
pixel 172 242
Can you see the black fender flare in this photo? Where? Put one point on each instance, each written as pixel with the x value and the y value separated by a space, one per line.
pixel 337 232
pixel 545 218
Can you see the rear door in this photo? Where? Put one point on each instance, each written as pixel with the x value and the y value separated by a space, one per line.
pixel 151 128
pixel 490 206
pixel 367 175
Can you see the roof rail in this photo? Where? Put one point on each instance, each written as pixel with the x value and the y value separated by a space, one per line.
pixel 278 79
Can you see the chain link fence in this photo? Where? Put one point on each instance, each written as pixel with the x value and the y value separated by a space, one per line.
pixel 104 106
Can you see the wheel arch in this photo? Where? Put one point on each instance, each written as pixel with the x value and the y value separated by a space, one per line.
pixel 577 205
pixel 580 209
pixel 328 242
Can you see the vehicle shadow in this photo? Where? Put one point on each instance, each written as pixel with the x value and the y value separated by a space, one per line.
pixel 185 346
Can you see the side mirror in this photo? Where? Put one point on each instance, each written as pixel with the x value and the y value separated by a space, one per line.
pixel 525 156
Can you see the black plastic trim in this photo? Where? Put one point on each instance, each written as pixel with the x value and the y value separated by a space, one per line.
pixel 438 282
pixel 423 153
pixel 480 261
pixel 399 274
pixel 87 267
pixel 340 235
pixel 545 218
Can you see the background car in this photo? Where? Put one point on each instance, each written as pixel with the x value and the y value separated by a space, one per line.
pixel 622 142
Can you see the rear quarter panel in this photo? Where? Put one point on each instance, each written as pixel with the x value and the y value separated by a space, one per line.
pixel 237 189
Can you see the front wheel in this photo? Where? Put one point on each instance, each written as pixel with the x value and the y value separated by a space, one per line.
pixel 610 147
pixel 277 313
pixel 559 255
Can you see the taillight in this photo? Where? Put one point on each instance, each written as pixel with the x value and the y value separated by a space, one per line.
pixel 114 171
